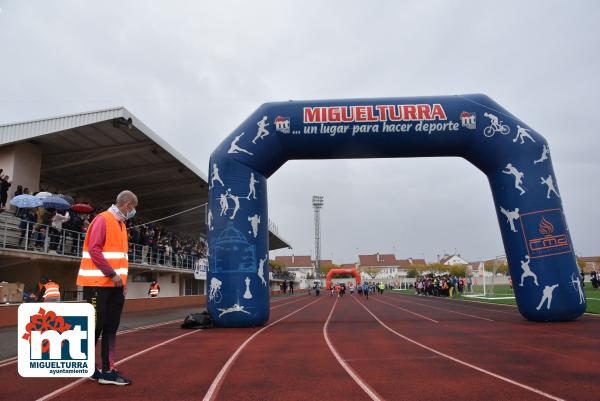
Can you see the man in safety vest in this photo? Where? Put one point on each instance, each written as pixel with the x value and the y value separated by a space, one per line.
pixel 154 289
pixel 103 276
pixel 49 291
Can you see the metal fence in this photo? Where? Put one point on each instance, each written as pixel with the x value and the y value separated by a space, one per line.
pixel 23 235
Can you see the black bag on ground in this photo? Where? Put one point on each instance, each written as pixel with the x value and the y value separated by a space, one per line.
pixel 200 320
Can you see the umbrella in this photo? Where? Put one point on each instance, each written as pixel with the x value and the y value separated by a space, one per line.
pixel 82 208
pixel 43 195
pixel 66 197
pixel 26 201
pixel 54 202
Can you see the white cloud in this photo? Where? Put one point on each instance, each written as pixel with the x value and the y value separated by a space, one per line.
pixel 193 71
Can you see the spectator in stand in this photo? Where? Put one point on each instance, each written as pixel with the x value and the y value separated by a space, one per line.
pixel 144 242
pixel 26 225
pixel 18 192
pixel 56 230
pixel 4 186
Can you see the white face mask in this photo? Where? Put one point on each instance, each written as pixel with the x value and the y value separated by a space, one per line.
pixel 131 214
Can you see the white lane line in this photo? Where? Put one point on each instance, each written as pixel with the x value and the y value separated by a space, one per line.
pixel 83 379
pixel 13 360
pixel 366 388
pixel 446 310
pixel 477 368
pixel 406 310
pixel 287 303
pixel 218 380
pixel 8 361
pixel 474 304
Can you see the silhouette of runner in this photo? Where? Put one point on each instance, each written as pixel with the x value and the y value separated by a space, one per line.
pixel 262 130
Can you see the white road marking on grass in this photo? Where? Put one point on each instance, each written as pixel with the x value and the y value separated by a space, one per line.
pixel 406 310
pixel 216 384
pixel 84 379
pixel 366 388
pixel 477 368
pixel 449 310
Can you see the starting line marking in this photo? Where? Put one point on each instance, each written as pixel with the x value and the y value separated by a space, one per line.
pixel 477 368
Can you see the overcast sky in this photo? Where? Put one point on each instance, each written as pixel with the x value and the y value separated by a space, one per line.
pixel 193 70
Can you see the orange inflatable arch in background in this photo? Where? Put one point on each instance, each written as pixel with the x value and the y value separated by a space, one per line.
pixel 333 272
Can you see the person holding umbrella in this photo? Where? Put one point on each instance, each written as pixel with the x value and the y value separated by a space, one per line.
pixel 103 276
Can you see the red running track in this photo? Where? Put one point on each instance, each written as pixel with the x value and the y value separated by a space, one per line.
pixel 390 347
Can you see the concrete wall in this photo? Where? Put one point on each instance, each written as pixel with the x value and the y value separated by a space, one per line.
pixel 22 162
pixel 164 279
pixel 29 272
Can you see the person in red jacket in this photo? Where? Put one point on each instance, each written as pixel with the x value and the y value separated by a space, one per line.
pixel 103 275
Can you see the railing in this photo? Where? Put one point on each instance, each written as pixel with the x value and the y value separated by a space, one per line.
pixel 18 234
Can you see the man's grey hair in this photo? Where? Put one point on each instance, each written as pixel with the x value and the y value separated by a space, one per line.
pixel 126 197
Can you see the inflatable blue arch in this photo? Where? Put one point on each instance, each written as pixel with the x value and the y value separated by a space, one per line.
pixel 515 158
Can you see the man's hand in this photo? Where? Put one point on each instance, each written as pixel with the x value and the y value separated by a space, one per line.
pixel 117 280
pixel 125 291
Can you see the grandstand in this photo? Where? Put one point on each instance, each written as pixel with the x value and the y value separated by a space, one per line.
pixel 90 157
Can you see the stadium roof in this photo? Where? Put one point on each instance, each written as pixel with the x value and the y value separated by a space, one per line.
pixel 93 155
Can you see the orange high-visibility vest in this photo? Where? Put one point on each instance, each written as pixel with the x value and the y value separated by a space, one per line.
pixel 52 290
pixel 114 251
pixel 154 290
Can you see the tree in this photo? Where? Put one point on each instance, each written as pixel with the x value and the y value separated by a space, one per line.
pixel 438 268
pixel 458 270
pixel 580 263
pixel 277 266
pixel 412 273
pixel 325 268
pixel 371 271
pixel 501 268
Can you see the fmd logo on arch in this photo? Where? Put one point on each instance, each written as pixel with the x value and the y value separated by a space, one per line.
pixel 56 340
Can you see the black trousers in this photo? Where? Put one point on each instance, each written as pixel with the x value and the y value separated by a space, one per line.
pixel 108 304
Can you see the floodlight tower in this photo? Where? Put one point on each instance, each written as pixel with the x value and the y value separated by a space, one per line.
pixel 317 202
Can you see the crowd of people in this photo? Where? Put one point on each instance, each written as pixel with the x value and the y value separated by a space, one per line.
pixel 286 286
pixel 445 285
pixel 53 231
pixel 363 289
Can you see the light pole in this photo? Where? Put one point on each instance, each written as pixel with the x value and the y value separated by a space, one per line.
pixel 317 202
